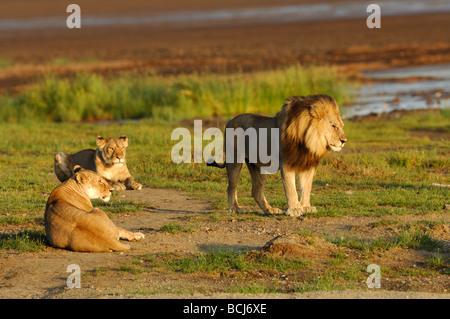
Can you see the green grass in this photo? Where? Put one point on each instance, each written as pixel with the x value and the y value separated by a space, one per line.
pixel 5 62
pixel 212 261
pixel 415 238
pixel 221 260
pixel 360 181
pixel 24 241
pixel 174 228
pixel 383 170
pixel 93 97
pixel 252 272
pixel 438 262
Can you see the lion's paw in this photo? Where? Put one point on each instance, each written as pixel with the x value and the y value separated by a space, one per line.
pixel 294 212
pixel 309 209
pixel 274 211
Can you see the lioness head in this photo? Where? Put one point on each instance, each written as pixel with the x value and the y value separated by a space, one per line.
pixel 94 185
pixel 113 150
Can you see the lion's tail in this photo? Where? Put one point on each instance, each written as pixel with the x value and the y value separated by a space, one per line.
pixel 213 163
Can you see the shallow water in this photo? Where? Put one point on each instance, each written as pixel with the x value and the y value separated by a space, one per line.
pixel 431 89
pixel 279 14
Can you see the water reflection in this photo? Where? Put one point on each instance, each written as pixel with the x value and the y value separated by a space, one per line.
pixel 406 88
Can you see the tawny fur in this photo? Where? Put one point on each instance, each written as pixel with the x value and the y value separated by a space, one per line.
pixel 309 127
pixel 71 222
pixel 108 160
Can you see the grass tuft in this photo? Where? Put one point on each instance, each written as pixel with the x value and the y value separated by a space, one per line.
pixel 92 97
pixel 24 241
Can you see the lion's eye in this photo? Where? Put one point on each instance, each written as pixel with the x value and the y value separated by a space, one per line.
pixel 334 127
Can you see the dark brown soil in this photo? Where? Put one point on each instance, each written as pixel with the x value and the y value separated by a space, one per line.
pixel 43 274
pixel 402 40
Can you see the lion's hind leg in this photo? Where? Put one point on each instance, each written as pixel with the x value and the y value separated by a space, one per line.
pixel 96 232
pixel 63 166
pixel 233 172
pixel 258 187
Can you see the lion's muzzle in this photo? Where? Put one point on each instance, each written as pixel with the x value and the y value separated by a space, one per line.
pixel 338 148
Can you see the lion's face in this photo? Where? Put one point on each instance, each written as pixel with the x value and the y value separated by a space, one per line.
pixel 312 127
pixel 113 150
pixel 326 129
pixel 333 131
pixel 94 185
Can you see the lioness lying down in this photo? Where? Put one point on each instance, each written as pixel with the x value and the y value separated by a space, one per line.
pixel 71 222
pixel 108 160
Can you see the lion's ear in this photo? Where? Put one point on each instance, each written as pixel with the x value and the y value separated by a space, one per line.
pixel 77 168
pixel 317 111
pixel 100 141
pixel 312 111
pixel 124 139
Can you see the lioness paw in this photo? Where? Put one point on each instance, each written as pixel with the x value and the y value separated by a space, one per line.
pixel 138 236
pixel 136 186
pixel 119 187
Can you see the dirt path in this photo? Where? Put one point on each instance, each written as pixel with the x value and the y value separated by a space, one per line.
pixel 41 275
pixel 44 275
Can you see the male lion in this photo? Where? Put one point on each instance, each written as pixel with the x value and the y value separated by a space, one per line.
pixel 309 127
pixel 72 223
pixel 108 160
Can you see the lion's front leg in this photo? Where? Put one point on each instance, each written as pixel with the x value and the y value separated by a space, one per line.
pixel 288 177
pixel 306 179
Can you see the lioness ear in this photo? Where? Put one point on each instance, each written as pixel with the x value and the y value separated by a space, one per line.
pixel 100 141
pixel 77 168
pixel 80 178
pixel 124 139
